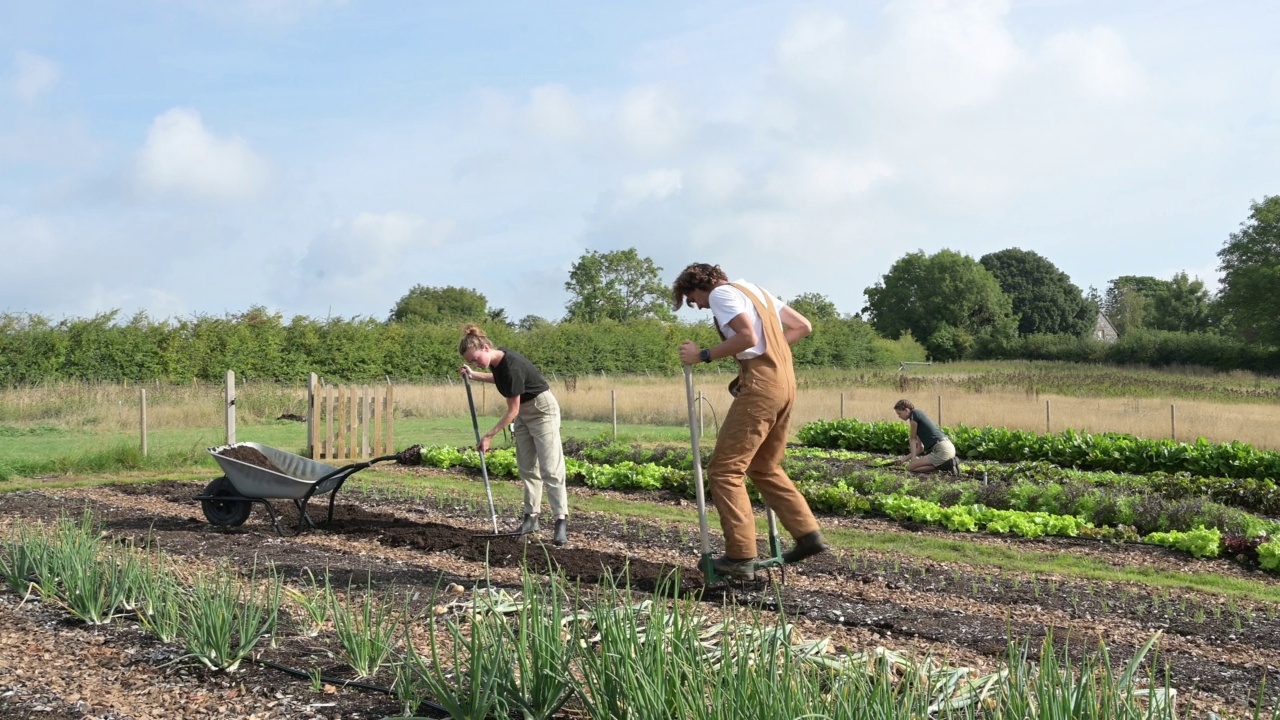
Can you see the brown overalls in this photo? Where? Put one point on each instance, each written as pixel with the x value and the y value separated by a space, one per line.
pixel 753 441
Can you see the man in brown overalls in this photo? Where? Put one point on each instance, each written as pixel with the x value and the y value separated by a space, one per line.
pixel 754 435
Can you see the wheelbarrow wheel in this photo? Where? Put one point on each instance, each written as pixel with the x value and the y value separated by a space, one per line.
pixel 226 513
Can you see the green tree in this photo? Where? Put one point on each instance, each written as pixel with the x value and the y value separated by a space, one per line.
pixel 948 299
pixel 440 304
pixel 815 306
pixel 617 285
pixel 532 322
pixel 1044 298
pixel 1250 265
pixel 1129 299
pixel 1182 305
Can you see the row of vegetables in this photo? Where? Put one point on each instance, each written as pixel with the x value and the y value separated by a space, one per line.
pixel 1116 452
pixel 1029 501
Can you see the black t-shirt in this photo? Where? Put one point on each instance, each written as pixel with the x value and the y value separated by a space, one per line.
pixel 515 375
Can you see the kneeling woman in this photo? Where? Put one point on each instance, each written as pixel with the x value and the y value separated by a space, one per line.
pixel 931 450
pixel 530 404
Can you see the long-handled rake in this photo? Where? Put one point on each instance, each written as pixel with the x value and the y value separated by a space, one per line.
pixel 484 469
pixel 706 563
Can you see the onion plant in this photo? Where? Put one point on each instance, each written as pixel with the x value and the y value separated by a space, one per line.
pixel 315 601
pixel 641 664
pixel 91 582
pixel 464 678
pixel 224 617
pixel 161 602
pixel 542 637
pixel 25 557
pixel 367 627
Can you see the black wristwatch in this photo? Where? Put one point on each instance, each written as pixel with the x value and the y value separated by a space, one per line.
pixel 705 355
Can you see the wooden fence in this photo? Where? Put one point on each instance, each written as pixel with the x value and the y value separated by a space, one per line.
pixel 348 422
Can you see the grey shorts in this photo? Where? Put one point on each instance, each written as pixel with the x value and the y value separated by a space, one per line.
pixel 941 452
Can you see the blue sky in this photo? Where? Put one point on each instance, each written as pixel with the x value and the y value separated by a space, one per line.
pixel 321 157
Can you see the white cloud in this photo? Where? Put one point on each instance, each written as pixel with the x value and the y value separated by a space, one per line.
pixel 948 54
pixel 181 158
pixel 370 251
pixel 275 12
pixel 1096 63
pixel 651 121
pixel 36 76
pixel 816 53
pixel 821 182
pixel 554 112
pixel 655 185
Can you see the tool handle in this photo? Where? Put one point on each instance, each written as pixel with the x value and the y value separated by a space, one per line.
pixel 695 435
pixel 484 469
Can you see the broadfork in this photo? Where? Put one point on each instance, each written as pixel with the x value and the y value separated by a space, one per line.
pixel 706 563
pixel 484 469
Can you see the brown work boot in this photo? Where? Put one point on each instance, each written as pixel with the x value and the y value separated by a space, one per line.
pixel 529 525
pixel 806 546
pixel 727 567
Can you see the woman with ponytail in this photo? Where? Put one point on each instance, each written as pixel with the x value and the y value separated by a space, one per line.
pixel 536 414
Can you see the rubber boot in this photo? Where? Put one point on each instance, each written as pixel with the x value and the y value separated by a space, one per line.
pixel 529 525
pixel 806 546
pixel 727 567
pixel 562 532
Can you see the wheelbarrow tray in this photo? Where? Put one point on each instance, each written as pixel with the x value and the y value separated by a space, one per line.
pixel 297 482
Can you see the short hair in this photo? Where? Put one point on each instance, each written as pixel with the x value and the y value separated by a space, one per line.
pixel 698 276
pixel 904 405
pixel 473 338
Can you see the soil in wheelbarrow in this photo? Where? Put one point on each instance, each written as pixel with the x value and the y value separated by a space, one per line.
pixel 252 456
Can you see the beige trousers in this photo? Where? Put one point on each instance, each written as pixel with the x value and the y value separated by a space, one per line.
pixel 540 455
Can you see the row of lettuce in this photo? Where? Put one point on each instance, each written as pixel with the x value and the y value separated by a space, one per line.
pixel 1116 452
pixel 1026 501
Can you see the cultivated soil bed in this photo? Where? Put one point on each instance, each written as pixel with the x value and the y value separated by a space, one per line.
pixel 1217 653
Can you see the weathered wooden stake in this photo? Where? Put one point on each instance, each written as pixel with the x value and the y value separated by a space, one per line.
pixel 231 407
pixel 144 422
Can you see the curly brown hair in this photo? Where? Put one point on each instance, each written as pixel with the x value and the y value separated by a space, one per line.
pixel 698 276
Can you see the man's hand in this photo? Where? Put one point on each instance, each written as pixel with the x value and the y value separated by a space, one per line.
pixel 484 444
pixel 689 352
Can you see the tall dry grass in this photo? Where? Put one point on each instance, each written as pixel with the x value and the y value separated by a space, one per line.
pixel 655 401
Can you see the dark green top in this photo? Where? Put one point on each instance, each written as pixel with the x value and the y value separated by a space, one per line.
pixel 928 433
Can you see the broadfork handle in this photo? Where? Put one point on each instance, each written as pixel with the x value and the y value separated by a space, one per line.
pixel 484 469
pixel 695 436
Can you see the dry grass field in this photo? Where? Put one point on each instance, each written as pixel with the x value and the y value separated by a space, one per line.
pixel 996 400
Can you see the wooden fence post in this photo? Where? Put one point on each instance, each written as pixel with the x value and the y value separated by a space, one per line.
pixel 1048 425
pixel 1173 423
pixel 939 410
pixel 841 406
pixel 329 440
pixel 313 415
pixel 613 402
pixel 144 422
pixel 231 407
pixel 364 422
pixel 391 417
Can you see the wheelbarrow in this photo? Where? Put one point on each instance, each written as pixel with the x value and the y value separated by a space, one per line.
pixel 227 501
